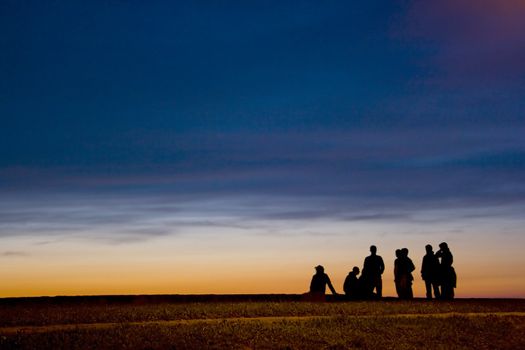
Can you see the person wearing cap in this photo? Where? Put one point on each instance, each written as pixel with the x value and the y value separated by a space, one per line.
pixel 319 282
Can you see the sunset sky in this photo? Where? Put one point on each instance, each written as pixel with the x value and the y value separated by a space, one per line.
pixel 231 146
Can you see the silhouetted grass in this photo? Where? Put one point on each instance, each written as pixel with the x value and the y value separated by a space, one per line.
pixel 372 328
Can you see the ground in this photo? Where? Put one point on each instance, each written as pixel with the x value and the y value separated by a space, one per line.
pixel 258 322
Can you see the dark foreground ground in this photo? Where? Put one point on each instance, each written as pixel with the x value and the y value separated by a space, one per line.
pixel 258 322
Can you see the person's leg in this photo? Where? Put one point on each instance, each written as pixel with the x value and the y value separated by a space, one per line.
pixel 379 287
pixel 402 287
pixel 428 286
pixel 437 294
pixel 447 292
pixel 448 283
pixel 367 286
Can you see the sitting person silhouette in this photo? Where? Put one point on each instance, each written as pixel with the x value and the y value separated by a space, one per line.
pixel 319 282
pixel 352 286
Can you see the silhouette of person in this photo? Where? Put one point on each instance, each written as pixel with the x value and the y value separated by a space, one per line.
pixel 373 268
pixel 319 282
pixel 397 277
pixel 447 272
pixel 430 272
pixel 405 266
pixel 352 286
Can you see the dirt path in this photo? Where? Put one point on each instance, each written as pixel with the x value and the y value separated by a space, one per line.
pixel 270 319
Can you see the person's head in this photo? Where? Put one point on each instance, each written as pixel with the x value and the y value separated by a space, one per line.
pixel 355 270
pixel 319 269
pixel 443 246
pixel 373 249
pixel 428 248
pixel 398 253
pixel 404 251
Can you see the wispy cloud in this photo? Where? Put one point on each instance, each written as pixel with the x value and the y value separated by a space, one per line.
pixel 13 253
pixel 348 123
pixel 130 217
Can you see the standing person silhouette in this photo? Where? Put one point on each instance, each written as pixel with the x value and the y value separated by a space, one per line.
pixel 319 282
pixel 430 273
pixel 397 274
pixel 447 272
pixel 405 268
pixel 373 268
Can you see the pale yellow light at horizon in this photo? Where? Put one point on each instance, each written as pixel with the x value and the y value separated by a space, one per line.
pixel 235 262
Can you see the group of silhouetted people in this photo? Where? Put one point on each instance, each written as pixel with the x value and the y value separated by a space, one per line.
pixel 436 271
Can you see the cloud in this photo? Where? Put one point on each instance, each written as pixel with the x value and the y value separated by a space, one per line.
pixel 250 160
pixel 13 253
pixel 131 217
pixel 238 180
pixel 305 135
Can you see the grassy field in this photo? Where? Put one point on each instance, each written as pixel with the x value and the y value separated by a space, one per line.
pixel 242 323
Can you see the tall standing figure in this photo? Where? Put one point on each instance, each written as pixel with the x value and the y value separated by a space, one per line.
pixel 405 266
pixel 447 272
pixel 372 270
pixel 430 272
pixel 397 274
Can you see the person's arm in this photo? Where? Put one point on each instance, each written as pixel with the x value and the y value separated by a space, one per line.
pixel 312 284
pixel 329 283
pixel 381 265
pixel 365 266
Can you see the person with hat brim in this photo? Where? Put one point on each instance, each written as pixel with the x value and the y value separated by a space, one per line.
pixel 319 282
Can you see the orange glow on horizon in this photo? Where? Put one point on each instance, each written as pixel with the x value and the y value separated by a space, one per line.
pixel 238 263
pixel 200 278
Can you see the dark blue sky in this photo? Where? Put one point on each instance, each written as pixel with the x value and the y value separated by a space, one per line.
pixel 380 103
pixel 230 146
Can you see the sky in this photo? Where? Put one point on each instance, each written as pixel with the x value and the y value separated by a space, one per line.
pixel 231 146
